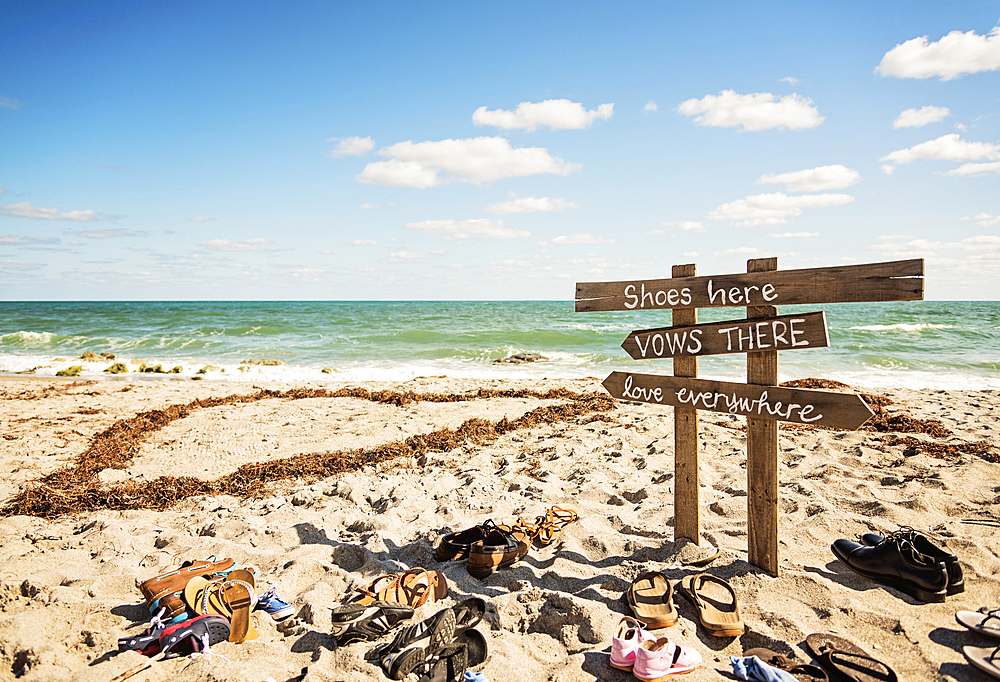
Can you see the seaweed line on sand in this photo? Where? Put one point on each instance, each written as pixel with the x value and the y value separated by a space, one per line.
pixel 76 488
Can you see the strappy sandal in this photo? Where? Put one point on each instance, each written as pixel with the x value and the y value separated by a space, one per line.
pixel 551 522
pixel 373 590
pixel 414 587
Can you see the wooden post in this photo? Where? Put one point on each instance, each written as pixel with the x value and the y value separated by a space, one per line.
pixel 762 449
pixel 687 503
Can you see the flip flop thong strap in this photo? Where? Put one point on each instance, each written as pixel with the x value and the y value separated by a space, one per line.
pixel 993 614
pixel 702 578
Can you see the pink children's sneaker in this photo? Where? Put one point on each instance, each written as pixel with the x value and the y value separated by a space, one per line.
pixel 630 637
pixel 655 661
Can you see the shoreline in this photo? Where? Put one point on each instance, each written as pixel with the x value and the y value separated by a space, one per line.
pixel 552 615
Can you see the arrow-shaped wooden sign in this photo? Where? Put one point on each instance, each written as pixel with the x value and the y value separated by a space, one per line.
pixel 784 332
pixel 805 406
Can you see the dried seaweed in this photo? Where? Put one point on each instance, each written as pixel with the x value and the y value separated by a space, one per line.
pixel 76 488
pixel 914 446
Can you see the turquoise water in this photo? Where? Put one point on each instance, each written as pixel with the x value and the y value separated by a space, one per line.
pixel 920 344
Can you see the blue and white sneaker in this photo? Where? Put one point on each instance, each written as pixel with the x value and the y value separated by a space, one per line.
pixel 273 605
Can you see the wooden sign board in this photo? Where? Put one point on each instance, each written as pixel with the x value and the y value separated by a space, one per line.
pixel 784 332
pixel 804 406
pixel 892 281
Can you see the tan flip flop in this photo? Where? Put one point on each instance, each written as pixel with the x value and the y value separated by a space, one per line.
pixel 651 599
pixel 715 600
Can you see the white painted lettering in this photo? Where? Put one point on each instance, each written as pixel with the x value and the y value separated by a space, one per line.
pixel 797 332
pixel 658 352
pixel 746 292
pixel 748 337
pixel 642 348
pixel 768 292
pixel 676 342
pixel 673 296
pixel 685 296
pixel 779 336
pixel 729 336
pixel 713 294
pixel 761 343
pixel 631 295
pixel 735 296
pixel 644 295
pixel 695 339
pixel 661 294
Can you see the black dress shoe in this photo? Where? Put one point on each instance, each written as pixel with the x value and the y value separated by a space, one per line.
pixel 956 580
pixel 897 564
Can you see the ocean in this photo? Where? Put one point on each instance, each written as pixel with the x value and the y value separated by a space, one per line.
pixel 915 344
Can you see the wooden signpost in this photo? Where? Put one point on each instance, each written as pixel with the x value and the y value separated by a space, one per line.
pixel 761 335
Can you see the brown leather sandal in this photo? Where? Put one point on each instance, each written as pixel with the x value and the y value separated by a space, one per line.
pixel 554 520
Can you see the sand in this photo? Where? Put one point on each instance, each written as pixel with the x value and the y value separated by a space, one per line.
pixel 68 584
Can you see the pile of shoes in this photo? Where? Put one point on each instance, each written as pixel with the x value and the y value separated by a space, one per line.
pixel 441 648
pixel 488 547
pixel 201 603
pixel 635 648
pixel 906 560
pixel 984 622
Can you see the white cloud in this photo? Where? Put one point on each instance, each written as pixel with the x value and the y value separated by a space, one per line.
pixel 791 80
pixel 687 225
pixel 987 220
pixel 516 204
pixel 783 235
pixel 949 147
pixel 967 169
pixel 7 238
pixel 651 107
pixel 364 242
pixel 464 229
pixel 203 219
pixel 370 206
pixel 351 146
pixel 556 114
pixel 9 103
pixel 814 179
pixel 24 209
pixel 954 55
pixel 774 209
pixel 574 239
pixel 2 190
pixel 961 126
pixel 474 160
pixel 257 244
pixel 654 233
pixel 691 254
pixel 917 118
pixel 400 256
pixel 104 234
pixel 756 111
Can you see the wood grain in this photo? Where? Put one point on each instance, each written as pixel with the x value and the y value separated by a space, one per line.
pixel 687 498
pixel 762 449
pixel 889 281
pixel 777 332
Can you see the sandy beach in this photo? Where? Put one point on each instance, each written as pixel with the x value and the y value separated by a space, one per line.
pixel 68 579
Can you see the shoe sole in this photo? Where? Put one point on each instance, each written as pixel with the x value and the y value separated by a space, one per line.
pixel 344 617
pixel 897 583
pixel 441 634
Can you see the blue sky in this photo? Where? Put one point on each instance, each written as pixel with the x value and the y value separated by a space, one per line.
pixel 250 150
